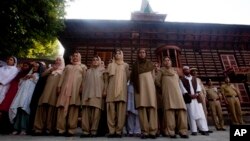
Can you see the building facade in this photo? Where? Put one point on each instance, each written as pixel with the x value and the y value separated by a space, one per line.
pixel 215 50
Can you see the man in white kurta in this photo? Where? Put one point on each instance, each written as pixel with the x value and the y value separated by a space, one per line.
pixel 191 89
pixel 193 72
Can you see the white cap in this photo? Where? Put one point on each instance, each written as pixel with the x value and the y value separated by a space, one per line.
pixel 186 67
pixel 193 69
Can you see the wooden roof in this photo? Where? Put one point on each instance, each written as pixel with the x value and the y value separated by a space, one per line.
pixel 78 32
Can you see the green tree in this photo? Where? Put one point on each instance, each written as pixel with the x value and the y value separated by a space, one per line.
pixel 48 51
pixel 26 24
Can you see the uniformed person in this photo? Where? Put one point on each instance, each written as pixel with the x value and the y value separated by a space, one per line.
pixel 232 99
pixel 215 105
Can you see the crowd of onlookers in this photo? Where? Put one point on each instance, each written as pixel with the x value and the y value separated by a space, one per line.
pixel 146 100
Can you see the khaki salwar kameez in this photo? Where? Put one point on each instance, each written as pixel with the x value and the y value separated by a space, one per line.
pixel 117 98
pixel 46 110
pixel 146 104
pixel 69 98
pixel 92 103
pixel 175 115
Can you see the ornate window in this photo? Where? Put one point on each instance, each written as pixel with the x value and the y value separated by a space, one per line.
pixel 171 51
pixel 228 61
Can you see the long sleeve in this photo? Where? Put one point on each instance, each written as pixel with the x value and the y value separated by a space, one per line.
pixel 198 86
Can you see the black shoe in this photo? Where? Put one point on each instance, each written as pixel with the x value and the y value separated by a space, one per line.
pixel 130 135
pixel 37 134
pixel 118 135
pixel 111 135
pixel 144 136
pixel 84 135
pixel 184 136
pixel 173 136
pixel 194 133
pixel 137 135
pixel 92 135
pixel 164 135
pixel 210 131
pixel 222 129
pixel 69 135
pixel 152 136
pixel 59 134
pixel 205 133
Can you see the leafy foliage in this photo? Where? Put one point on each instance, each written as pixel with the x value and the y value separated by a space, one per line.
pixel 48 51
pixel 26 24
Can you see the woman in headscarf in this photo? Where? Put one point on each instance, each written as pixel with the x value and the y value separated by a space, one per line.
pixel 36 96
pixel 92 94
pixel 118 74
pixel 46 111
pixel 174 108
pixel 145 94
pixel 69 88
pixel 7 73
pixel 19 110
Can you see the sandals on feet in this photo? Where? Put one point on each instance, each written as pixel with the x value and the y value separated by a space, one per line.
pixel 23 133
pixel 14 133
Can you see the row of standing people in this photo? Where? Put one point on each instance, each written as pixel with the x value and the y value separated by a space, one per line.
pixel 66 87
pixel 74 83
pixel 214 98
pixel 71 82
pixel 19 105
pixel 17 85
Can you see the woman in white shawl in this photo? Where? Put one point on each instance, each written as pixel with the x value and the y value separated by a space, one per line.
pixel 19 109
pixel 46 112
pixel 7 73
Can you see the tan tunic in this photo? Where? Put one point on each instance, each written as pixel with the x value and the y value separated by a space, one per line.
pixel 112 84
pixel 147 95
pixel 171 93
pixel 228 90
pixel 212 93
pixel 231 94
pixel 77 73
pixel 93 88
pixel 49 95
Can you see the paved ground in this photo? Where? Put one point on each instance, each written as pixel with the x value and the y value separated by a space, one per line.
pixel 215 136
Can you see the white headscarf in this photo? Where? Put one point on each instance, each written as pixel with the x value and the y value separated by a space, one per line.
pixel 7 73
pixel 61 66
